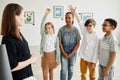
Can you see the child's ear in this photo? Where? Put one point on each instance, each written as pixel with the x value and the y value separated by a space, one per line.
pixel 113 27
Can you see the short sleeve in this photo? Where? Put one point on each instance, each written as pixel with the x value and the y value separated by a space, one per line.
pixel 114 46
pixel 11 50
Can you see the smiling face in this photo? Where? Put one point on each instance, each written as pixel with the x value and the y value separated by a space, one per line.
pixel 49 28
pixel 69 19
pixel 90 27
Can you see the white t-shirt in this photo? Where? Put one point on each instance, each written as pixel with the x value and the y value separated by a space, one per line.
pixel 50 42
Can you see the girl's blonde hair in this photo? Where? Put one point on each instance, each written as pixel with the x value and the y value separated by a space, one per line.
pixel 51 24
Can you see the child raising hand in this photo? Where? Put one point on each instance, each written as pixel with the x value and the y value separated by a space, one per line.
pixel 89 46
pixel 49 48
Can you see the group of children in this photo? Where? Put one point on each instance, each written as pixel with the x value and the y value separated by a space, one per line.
pixel 62 48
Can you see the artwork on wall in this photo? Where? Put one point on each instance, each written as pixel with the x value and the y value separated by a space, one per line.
pixel 85 16
pixel 58 11
pixel 29 17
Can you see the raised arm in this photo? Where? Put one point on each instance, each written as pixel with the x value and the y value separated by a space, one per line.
pixel 73 10
pixel 44 20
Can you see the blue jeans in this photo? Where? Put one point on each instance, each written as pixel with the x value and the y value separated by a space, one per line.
pixel 67 67
pixel 110 75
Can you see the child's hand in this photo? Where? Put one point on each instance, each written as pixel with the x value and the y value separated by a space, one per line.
pixel 70 55
pixel 57 63
pixel 65 55
pixel 70 7
pixel 106 72
pixel 47 11
pixel 93 65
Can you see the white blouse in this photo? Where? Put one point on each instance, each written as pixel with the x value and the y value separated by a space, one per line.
pixel 89 45
pixel 50 42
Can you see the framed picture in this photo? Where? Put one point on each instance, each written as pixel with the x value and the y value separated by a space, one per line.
pixel 29 17
pixel 58 11
pixel 85 16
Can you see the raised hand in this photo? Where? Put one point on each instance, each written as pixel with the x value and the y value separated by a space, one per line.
pixel 106 72
pixel 73 10
pixel 70 8
pixel 47 11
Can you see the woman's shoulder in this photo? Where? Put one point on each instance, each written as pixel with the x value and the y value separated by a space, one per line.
pixel 8 39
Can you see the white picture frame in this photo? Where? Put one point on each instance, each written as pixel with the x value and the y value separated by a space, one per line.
pixel 85 16
pixel 58 11
pixel 29 17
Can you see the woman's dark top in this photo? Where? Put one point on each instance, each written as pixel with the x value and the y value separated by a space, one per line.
pixel 18 51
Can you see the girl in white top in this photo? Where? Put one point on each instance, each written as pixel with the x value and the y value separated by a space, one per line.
pixel 49 48
pixel 89 46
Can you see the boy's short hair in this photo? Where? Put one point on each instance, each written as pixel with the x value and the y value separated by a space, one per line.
pixel 112 22
pixel 90 21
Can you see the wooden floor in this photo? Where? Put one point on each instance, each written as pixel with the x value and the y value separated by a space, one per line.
pixel 38 72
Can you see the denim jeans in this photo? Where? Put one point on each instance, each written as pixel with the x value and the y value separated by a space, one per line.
pixel 110 75
pixel 67 65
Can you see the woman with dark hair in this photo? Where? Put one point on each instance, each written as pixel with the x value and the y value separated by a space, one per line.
pixel 17 47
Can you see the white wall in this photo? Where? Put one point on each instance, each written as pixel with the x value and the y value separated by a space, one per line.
pixel 101 9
